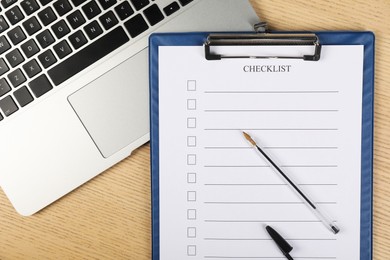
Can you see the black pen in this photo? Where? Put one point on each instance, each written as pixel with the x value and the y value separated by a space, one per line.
pixel 280 242
pixel 320 214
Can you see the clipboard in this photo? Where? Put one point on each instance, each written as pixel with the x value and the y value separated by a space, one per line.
pixel 317 39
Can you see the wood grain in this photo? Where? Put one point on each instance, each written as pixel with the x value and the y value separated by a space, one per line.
pixel 109 217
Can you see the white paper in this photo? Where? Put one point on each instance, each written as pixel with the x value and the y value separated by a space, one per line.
pixel 217 194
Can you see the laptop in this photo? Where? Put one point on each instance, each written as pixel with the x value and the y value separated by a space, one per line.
pixel 74 94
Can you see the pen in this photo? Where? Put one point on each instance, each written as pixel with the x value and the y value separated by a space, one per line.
pixel 320 214
pixel 280 242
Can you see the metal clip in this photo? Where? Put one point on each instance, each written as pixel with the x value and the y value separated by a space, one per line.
pixel 261 27
pixel 262 38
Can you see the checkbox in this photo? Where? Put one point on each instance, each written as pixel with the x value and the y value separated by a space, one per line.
pixel 191 232
pixel 191 250
pixel 191 122
pixel 191 214
pixel 191 159
pixel 191 85
pixel 191 177
pixel 191 141
pixel 191 104
pixel 191 195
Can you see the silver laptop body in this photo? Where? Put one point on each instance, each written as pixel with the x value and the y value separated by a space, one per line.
pixel 74 118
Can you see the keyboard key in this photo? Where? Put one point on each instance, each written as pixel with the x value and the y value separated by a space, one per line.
pixel 14 15
pixel 4 87
pixel 62 7
pixel 93 30
pixel 16 35
pixel 76 19
pixel 139 4
pixel 23 96
pixel 136 25
pixel 3 24
pixel 32 68
pixel 91 10
pixel 4 44
pixel 40 85
pixel 124 10
pixel 78 39
pixel 14 58
pixel 60 29
pixel 31 26
pixel 87 56
pixel 16 78
pixel 185 2
pixel 153 14
pixel 29 48
pixel 47 16
pixel 171 8
pixel 45 2
pixel 108 20
pixel 29 6
pixel 62 49
pixel 3 67
pixel 107 3
pixel 47 58
pixel 45 38
pixel 8 3
pixel 78 2
pixel 8 106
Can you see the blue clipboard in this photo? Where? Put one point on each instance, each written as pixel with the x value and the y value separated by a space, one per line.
pixel 326 38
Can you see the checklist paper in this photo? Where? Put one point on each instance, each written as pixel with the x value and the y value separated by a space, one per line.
pixel 217 194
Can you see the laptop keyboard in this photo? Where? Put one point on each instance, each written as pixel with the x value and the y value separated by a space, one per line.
pixel 45 42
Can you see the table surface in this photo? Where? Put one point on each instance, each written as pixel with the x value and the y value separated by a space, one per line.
pixel 109 217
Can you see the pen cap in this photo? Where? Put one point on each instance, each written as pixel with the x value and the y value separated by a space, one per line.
pixel 279 240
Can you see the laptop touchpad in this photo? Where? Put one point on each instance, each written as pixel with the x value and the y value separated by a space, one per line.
pixel 114 108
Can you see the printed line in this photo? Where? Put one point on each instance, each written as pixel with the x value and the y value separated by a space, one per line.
pixel 309 166
pixel 272 147
pixel 236 166
pixel 270 129
pixel 267 239
pixel 261 221
pixel 228 147
pixel 263 202
pixel 267 166
pixel 273 92
pixel 270 257
pixel 268 184
pixel 269 110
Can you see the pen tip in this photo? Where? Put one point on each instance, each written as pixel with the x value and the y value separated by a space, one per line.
pixel 249 138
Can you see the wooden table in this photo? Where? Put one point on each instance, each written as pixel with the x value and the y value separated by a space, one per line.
pixel 109 217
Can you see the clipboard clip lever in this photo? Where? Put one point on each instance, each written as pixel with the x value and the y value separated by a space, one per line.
pixel 262 37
